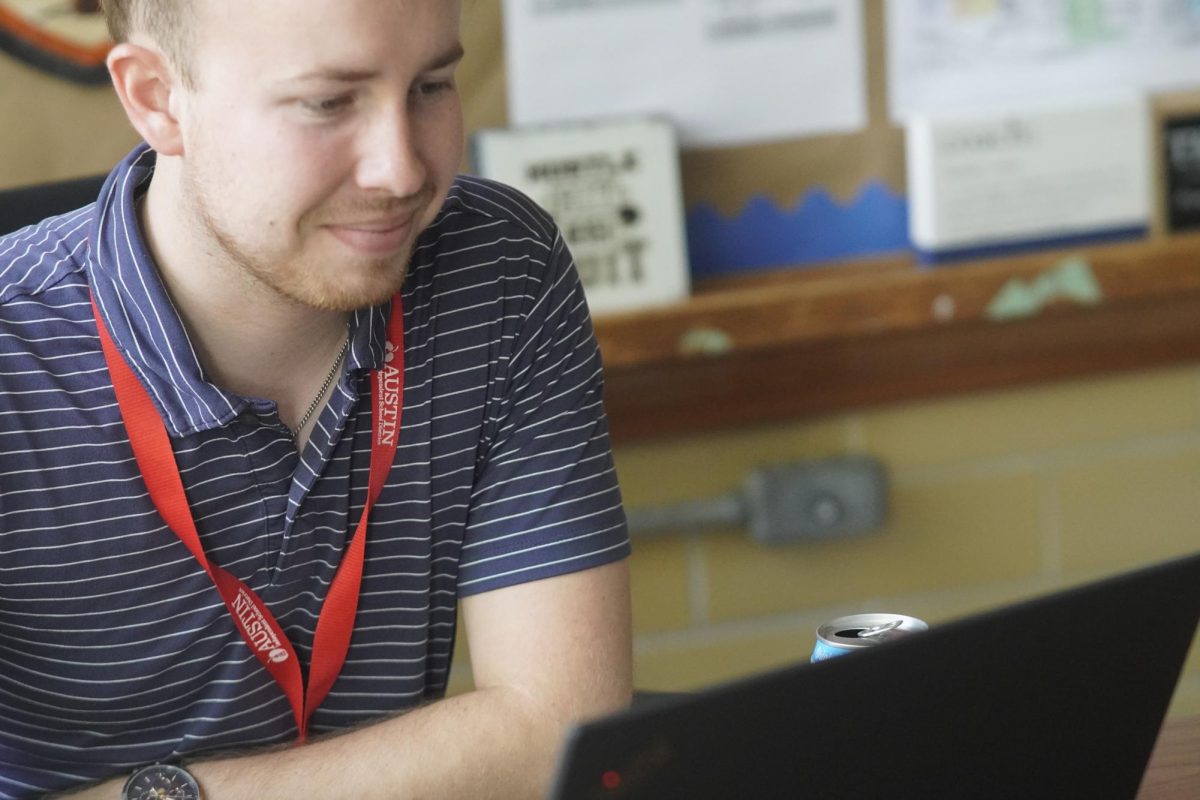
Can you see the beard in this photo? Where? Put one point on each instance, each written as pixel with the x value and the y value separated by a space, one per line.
pixel 311 275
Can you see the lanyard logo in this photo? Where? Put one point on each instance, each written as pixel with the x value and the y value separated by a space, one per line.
pixel 388 410
pixel 255 628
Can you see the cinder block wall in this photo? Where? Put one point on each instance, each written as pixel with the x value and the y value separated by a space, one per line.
pixel 995 497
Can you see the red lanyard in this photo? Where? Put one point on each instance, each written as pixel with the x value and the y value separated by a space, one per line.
pixel 264 637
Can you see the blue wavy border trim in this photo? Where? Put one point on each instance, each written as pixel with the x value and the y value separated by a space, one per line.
pixel 817 229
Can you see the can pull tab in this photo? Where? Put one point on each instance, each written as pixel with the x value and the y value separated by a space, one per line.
pixel 879 630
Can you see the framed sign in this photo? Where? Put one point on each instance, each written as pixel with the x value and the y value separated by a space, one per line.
pixel 613 188
pixel 67 38
pixel 1175 151
pixel 1182 172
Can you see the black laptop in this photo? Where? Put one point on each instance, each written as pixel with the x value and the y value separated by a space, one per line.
pixel 1057 697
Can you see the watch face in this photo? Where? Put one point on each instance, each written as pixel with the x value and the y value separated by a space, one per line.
pixel 161 782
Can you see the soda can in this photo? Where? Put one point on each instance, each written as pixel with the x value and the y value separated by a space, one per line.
pixel 860 631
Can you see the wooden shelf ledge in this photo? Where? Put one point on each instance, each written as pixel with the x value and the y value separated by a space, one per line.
pixel 794 343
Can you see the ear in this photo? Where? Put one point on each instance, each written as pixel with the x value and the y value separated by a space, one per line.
pixel 147 84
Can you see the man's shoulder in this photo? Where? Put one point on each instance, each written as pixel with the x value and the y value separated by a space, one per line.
pixel 37 258
pixel 472 199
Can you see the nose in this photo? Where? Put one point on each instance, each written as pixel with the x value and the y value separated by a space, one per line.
pixel 390 158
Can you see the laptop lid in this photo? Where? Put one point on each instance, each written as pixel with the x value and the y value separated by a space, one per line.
pixel 1057 697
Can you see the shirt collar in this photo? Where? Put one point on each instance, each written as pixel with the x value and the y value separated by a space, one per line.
pixel 146 328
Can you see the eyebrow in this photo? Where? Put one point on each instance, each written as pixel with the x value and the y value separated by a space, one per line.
pixel 451 56
pixel 339 75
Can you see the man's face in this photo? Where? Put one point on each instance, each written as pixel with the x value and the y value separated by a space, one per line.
pixel 320 138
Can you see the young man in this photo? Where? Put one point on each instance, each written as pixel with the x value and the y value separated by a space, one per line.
pixel 285 315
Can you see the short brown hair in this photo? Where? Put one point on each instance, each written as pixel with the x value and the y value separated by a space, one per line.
pixel 161 20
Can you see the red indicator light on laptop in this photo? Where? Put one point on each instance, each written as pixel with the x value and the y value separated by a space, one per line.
pixel 611 779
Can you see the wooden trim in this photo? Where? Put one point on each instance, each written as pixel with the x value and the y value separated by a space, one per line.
pixel 803 342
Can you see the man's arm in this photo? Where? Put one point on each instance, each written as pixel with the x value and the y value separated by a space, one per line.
pixel 544 654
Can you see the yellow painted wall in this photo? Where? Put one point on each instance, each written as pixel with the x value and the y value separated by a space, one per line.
pixel 995 496
pixel 54 130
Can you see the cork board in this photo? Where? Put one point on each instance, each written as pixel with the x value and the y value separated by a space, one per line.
pixel 726 180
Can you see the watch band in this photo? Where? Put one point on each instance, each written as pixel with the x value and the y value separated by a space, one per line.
pixel 161 782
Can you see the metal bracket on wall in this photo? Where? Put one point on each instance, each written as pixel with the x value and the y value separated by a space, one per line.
pixel 785 504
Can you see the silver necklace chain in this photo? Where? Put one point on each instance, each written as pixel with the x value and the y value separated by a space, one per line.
pixel 316 401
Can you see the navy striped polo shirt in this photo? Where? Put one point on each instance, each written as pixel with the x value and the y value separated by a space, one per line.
pixel 115 648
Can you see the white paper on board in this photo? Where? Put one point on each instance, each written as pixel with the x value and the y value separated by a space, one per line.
pixel 725 72
pixel 946 55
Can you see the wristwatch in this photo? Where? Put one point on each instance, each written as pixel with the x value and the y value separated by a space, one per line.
pixel 161 782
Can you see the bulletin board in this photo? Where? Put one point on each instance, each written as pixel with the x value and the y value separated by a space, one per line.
pixel 774 344
pixel 816 199
pixel 745 193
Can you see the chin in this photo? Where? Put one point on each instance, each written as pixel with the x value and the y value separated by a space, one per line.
pixel 375 290
pixel 346 302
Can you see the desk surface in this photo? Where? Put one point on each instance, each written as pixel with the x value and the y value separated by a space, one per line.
pixel 1174 771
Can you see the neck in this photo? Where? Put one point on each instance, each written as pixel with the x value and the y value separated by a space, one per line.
pixel 250 339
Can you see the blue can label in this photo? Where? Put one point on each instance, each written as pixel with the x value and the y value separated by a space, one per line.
pixel 824 650
pixel 860 631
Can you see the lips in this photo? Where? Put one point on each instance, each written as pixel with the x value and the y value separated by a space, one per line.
pixel 384 236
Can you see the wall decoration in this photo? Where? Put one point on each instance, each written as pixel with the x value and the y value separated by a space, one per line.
pixel 707 65
pixel 944 55
pixel 613 189
pixel 817 229
pixel 67 38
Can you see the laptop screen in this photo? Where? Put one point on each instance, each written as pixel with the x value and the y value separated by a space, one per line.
pixel 1061 696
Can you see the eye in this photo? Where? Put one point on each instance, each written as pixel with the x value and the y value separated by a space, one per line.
pixel 432 88
pixel 328 106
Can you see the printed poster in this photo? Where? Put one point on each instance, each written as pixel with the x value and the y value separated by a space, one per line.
pixel 724 72
pixel 946 55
